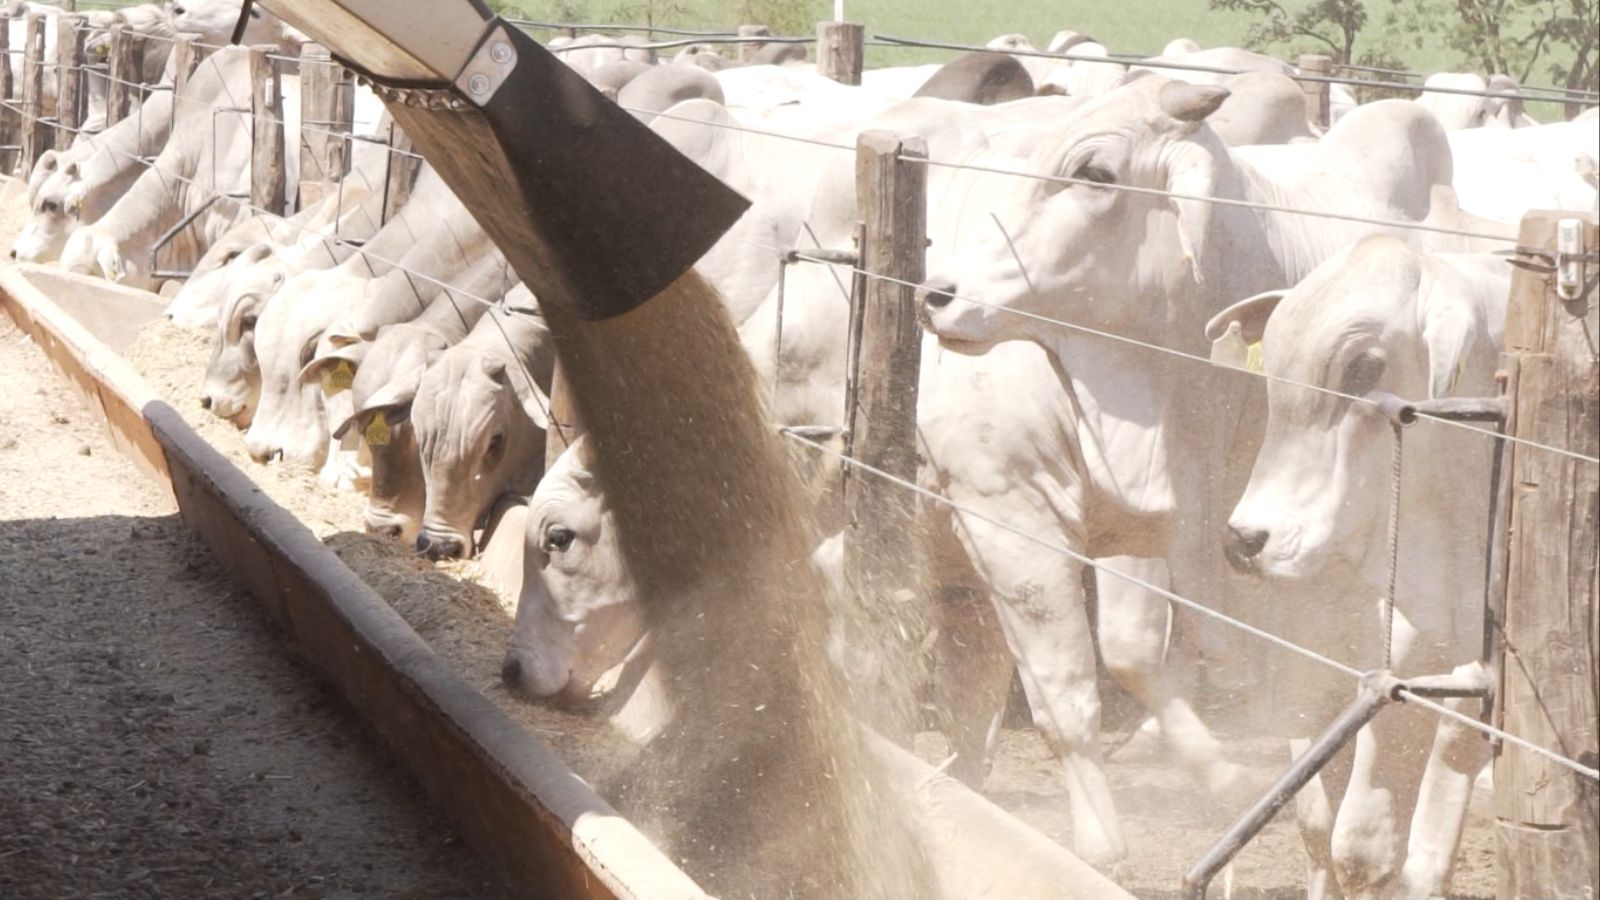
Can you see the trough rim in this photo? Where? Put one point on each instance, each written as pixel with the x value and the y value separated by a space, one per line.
pixel 507 787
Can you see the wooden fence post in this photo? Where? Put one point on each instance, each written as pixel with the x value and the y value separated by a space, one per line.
pixel 841 51
pixel 125 64
pixel 185 57
pixel 267 188
pixel 882 540
pixel 747 51
pixel 1546 814
pixel 36 131
pixel 404 164
pixel 327 111
pixel 70 58
pixel 1317 105
pixel 8 118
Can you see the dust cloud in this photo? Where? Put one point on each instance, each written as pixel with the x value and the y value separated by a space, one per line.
pixel 762 782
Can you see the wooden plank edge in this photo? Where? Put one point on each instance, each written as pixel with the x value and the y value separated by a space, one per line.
pixel 513 798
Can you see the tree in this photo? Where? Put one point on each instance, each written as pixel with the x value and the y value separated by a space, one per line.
pixel 1331 26
pixel 1532 40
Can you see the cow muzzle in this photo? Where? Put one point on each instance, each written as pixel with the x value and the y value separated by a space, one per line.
pixel 442 545
pixel 1243 548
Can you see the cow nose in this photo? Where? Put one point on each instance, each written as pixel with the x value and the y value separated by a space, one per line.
pixel 937 293
pixel 444 547
pixel 1244 545
pixel 511 672
pixel 205 401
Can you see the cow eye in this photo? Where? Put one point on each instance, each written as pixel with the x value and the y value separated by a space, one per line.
pixel 1097 174
pixel 1362 375
pixel 497 442
pixel 177 10
pixel 248 323
pixel 557 538
pixel 307 352
pixel 50 206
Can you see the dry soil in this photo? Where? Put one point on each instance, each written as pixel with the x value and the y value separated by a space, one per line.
pixel 156 737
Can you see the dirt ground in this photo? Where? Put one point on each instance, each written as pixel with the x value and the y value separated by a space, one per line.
pixel 159 740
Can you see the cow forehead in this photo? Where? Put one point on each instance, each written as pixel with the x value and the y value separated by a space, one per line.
pixel 1371 287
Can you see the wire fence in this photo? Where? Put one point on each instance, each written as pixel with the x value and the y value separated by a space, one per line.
pixel 359 248
pixel 1589 98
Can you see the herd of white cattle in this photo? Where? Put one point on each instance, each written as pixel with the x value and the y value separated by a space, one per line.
pixel 403 357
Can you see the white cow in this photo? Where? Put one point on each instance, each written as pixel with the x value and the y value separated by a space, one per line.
pixel 290 422
pixel 1378 317
pixel 1469 110
pixel 215 20
pixel 479 418
pixel 232 384
pixel 198 163
pixel 591 51
pixel 78 185
pixel 387 372
pixel 1502 173
pixel 779 175
pixel 1147 267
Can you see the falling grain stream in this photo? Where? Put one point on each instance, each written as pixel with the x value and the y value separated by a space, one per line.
pixel 763 760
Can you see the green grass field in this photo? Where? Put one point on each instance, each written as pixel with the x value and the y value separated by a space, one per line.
pixel 1134 26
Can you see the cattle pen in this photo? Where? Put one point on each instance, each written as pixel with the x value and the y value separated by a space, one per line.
pixel 543 827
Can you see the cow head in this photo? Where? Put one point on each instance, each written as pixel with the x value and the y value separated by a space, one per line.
pixel 203 295
pixel 1375 318
pixel 383 387
pixel 232 384
pixel 1078 251
pixel 480 422
pixel 580 613
pixel 214 21
pixel 57 210
pixel 289 421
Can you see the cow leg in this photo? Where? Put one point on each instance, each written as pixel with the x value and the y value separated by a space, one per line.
pixel 973 681
pixel 1313 812
pixel 1049 636
pixel 1459 754
pixel 1369 831
pixel 1132 629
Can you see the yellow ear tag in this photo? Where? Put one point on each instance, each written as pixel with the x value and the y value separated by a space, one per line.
pixel 377 433
pixel 1252 358
pixel 337 378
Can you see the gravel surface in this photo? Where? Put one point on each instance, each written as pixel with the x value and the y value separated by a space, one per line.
pixel 159 739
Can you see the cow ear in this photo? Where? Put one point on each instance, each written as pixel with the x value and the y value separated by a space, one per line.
pixel 1251 314
pixel 1192 170
pixel 1191 102
pixel 74 201
pixel 1236 332
pixel 1449 335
